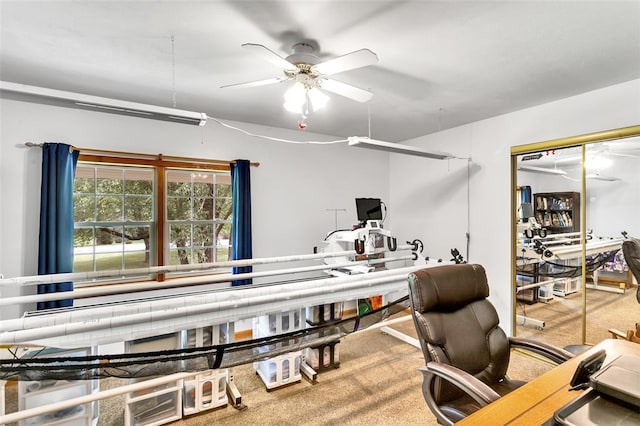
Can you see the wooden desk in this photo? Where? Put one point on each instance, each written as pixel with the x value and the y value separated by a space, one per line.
pixel 535 402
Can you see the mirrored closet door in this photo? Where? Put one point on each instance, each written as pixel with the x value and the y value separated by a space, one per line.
pixel 612 210
pixel 548 300
pixel 575 201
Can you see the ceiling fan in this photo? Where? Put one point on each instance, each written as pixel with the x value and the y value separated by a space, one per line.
pixel 310 74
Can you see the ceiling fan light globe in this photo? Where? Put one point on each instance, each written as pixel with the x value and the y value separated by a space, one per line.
pixel 318 99
pixel 598 162
pixel 294 107
pixel 296 93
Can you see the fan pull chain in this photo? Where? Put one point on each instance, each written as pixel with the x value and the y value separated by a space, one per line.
pixel 173 70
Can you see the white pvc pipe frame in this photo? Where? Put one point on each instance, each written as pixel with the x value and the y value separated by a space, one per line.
pixel 118 288
pixel 109 324
pixel 254 299
pixel 128 321
pixel 88 276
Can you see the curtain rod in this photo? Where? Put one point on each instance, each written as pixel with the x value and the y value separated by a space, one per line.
pixel 144 155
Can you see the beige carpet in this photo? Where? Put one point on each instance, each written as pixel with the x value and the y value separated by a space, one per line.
pixel 562 316
pixel 378 382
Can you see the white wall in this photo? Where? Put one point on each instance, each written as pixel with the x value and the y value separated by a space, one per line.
pixel 427 195
pixel 291 189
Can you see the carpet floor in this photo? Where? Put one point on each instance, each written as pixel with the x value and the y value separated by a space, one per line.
pixel 377 381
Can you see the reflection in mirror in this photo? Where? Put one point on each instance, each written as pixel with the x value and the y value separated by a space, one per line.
pixel 548 250
pixel 613 200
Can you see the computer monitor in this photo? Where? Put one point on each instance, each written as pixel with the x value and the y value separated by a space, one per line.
pixel 369 209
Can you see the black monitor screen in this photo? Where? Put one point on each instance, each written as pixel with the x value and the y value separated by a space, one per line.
pixel 368 209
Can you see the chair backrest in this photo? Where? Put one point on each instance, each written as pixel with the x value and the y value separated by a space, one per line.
pixel 631 252
pixel 457 325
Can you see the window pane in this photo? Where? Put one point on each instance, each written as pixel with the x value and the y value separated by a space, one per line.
pixel 222 254
pixel 180 235
pixel 178 208
pixel 139 182
pixel 83 263
pixel 223 208
pixel 83 208
pixel 224 234
pixel 138 209
pixel 203 255
pixel 83 237
pixel 179 183
pixel 180 256
pixel 137 237
pixel 203 209
pixel 203 189
pixel 108 237
pixel 108 208
pixel 223 190
pixel 203 235
pixel 85 185
pixel 109 180
pixel 109 261
pixel 136 259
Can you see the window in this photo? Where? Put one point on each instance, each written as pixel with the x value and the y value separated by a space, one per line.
pixel 136 216
pixel 198 213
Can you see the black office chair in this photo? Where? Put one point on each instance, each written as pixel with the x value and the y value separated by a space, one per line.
pixel 631 253
pixel 465 350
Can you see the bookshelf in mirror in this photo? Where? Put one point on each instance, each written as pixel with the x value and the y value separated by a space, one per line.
pixel 558 212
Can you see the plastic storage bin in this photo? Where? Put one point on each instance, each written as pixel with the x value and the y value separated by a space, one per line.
pixel 205 392
pixel 163 405
pixel 278 323
pixel 280 370
pixel 324 356
pixel 32 394
pixel 159 404
pixel 321 314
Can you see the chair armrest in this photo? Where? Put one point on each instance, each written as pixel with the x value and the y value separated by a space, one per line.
pixel 475 388
pixel 617 334
pixel 553 353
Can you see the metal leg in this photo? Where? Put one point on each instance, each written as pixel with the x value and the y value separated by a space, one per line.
pixel 529 322
pixel 383 326
pixel 234 394
pixel 308 372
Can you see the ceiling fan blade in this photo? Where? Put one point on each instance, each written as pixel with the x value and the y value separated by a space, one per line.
pixel 542 170
pixel 346 90
pixel 271 56
pixel 257 82
pixel 357 59
pixel 625 154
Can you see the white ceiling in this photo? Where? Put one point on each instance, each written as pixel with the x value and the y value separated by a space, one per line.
pixel 441 63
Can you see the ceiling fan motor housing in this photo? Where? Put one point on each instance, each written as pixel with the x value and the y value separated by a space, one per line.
pixel 303 56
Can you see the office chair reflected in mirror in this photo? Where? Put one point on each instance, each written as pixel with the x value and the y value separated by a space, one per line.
pixel 631 253
pixel 466 352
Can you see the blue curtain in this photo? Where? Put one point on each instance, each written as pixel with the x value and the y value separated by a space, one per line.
pixel 241 217
pixel 525 198
pixel 525 194
pixel 55 252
